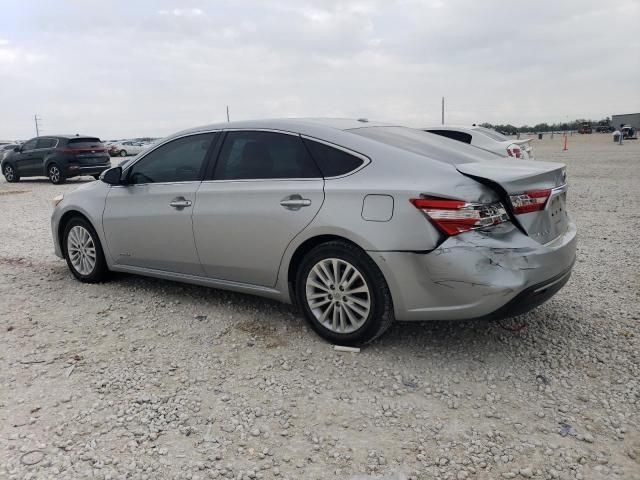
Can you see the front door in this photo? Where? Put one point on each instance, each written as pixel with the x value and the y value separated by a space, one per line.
pixel 26 161
pixel 264 191
pixel 148 221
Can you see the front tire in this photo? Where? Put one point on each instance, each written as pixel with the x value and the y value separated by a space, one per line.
pixel 55 174
pixel 343 294
pixel 83 251
pixel 123 153
pixel 10 173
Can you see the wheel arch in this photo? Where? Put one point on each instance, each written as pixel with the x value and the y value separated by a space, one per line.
pixel 62 224
pixel 302 250
pixel 47 162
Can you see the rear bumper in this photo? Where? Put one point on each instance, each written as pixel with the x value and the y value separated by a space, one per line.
pixel 478 275
pixel 77 170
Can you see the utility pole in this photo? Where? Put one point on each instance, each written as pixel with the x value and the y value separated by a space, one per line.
pixel 37 120
pixel 227 113
pixel 442 110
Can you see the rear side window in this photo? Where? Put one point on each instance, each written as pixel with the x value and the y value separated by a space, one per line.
pixel 180 160
pixel 332 161
pixel 255 155
pixel 453 135
pixel 46 142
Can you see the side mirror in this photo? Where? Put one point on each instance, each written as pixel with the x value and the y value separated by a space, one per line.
pixel 17 149
pixel 113 176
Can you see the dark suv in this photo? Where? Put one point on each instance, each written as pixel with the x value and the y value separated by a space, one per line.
pixel 57 157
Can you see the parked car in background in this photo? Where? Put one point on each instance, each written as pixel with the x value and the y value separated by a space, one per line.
pixel 123 149
pixel 6 148
pixel 486 139
pixel 57 157
pixel 358 223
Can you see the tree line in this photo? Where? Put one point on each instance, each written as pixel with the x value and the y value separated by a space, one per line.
pixel 547 127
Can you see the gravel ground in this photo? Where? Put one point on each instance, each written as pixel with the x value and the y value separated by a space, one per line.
pixel 141 378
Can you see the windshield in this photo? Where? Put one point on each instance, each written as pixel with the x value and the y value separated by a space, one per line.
pixel 435 147
pixel 491 134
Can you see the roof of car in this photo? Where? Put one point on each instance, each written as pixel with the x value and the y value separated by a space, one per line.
pixel 68 136
pixel 301 125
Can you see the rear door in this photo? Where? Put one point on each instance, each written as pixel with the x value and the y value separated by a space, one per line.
pixel 264 190
pixel 536 190
pixel 148 222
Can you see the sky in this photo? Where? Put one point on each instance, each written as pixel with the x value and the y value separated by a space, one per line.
pixel 119 69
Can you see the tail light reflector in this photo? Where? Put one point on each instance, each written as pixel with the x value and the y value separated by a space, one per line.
pixel 529 201
pixel 514 151
pixel 77 151
pixel 457 216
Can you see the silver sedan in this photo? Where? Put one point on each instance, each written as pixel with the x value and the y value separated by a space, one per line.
pixel 358 223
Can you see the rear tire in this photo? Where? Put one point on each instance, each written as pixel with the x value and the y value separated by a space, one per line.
pixel 10 173
pixel 123 153
pixel 83 252
pixel 55 174
pixel 343 294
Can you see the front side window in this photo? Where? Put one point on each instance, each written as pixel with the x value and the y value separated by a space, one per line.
pixel 262 155
pixel 30 145
pixel 180 160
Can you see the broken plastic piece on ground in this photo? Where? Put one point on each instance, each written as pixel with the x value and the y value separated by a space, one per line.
pixel 340 348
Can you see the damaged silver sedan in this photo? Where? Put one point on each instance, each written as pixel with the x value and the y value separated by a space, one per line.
pixel 358 223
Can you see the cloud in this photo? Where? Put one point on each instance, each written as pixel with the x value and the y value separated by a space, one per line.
pixel 167 68
pixel 180 12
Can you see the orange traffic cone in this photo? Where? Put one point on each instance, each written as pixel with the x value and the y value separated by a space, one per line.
pixel 565 143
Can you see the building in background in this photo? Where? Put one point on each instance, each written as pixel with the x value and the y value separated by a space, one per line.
pixel 632 119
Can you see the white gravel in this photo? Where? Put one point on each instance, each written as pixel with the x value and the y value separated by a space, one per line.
pixel 144 379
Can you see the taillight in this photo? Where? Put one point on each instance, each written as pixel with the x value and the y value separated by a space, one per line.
pixel 529 201
pixel 514 151
pixel 456 216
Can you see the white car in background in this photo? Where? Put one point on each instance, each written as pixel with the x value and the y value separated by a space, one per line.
pixel 125 148
pixel 486 139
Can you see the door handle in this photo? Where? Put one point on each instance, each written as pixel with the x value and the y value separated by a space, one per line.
pixel 295 202
pixel 180 202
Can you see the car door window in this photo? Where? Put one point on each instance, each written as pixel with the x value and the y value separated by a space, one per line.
pixel 30 145
pixel 333 162
pixel 249 155
pixel 180 160
pixel 45 142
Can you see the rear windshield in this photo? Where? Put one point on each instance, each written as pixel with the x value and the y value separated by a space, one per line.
pixel 85 142
pixel 432 146
pixel 491 134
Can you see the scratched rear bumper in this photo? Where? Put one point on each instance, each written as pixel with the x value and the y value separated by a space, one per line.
pixel 478 275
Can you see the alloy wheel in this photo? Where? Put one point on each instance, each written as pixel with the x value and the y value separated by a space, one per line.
pixel 8 173
pixel 81 250
pixel 54 174
pixel 338 295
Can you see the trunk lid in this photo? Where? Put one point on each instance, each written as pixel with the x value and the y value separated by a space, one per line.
pixel 88 150
pixel 516 178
